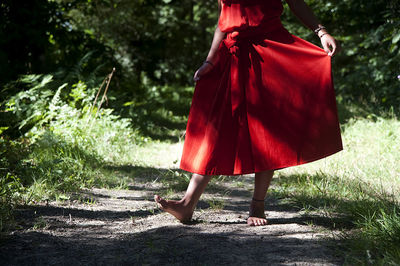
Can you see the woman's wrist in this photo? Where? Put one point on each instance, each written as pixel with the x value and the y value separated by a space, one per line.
pixel 323 34
pixel 319 29
pixel 208 62
pixel 211 59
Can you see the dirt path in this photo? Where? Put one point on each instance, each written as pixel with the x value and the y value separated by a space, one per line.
pixel 124 227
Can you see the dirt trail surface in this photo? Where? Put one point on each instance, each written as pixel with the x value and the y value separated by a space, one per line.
pixel 125 227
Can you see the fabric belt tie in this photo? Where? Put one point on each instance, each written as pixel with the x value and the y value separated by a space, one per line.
pixel 240 45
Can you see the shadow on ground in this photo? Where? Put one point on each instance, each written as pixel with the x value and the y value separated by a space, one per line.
pixel 174 245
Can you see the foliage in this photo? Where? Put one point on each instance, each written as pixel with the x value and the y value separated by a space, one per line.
pixel 162 112
pixel 161 40
pixel 10 190
pixel 65 142
pixel 30 107
pixel 35 37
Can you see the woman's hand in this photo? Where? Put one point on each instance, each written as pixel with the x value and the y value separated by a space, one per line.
pixel 305 14
pixel 213 55
pixel 204 69
pixel 330 45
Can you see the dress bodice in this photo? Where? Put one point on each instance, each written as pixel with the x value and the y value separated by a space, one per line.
pixel 237 15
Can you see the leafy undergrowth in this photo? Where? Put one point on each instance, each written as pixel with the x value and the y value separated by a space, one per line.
pixel 63 141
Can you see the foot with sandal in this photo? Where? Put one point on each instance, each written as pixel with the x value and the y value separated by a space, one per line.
pixel 183 209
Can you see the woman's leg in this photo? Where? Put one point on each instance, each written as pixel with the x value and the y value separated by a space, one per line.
pixel 183 209
pixel 261 184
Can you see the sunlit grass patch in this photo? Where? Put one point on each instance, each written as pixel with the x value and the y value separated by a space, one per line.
pixel 360 185
pixel 155 154
pixel 371 155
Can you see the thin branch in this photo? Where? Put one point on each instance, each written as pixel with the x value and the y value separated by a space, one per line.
pixel 105 91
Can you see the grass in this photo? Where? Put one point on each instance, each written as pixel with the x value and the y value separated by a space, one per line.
pixel 216 204
pixel 357 188
pixel 39 223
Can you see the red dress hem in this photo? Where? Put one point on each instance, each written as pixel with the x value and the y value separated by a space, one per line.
pixel 246 172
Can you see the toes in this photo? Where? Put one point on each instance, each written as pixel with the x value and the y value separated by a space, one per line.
pixel 160 201
pixel 157 198
pixel 255 221
pixel 261 222
pixel 251 221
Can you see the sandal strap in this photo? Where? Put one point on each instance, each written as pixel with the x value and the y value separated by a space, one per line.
pixel 257 200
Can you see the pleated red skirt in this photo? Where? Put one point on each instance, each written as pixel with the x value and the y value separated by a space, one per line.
pixel 268 103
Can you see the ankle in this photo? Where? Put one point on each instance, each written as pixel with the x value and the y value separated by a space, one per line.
pixel 187 203
pixel 257 206
pixel 257 200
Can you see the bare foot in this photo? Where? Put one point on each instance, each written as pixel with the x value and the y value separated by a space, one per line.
pixel 176 208
pixel 256 214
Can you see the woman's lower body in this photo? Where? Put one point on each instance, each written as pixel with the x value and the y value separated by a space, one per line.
pixel 268 103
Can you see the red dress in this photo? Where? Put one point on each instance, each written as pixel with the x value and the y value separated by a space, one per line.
pixel 269 101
